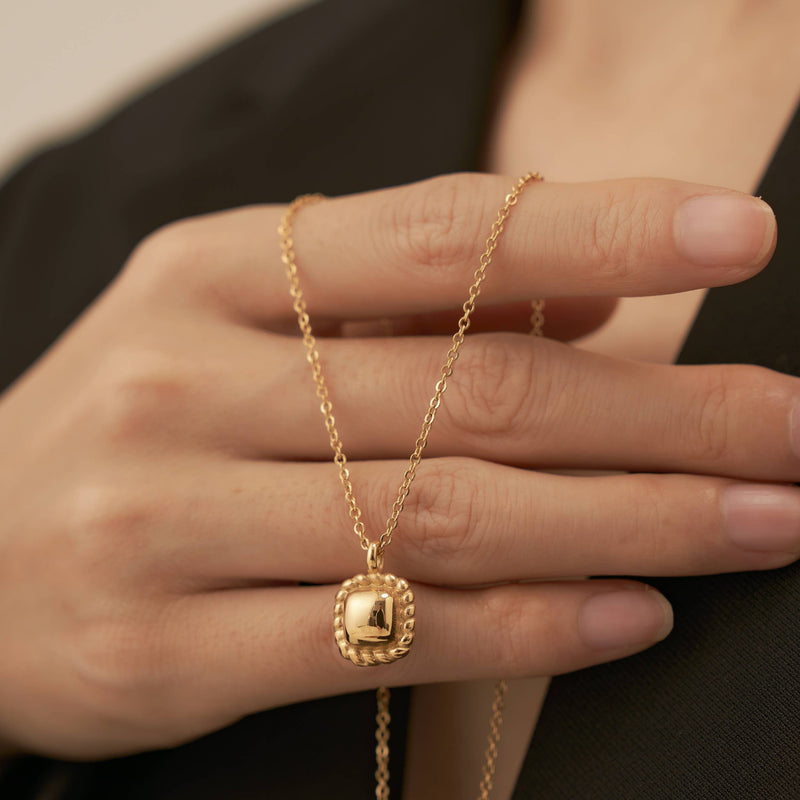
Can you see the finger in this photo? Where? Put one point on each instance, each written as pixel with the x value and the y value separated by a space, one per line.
pixel 566 318
pixel 279 645
pixel 609 238
pixel 414 248
pixel 516 399
pixel 522 401
pixel 464 522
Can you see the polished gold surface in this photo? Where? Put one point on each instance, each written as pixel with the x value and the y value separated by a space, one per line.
pixel 368 617
pixel 374 558
pixel 373 619
pixel 374 613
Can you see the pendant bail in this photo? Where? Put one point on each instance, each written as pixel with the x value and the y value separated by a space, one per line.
pixel 375 557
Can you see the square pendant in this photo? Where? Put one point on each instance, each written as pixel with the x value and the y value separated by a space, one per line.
pixel 374 619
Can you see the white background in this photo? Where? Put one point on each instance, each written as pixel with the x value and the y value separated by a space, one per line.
pixel 62 62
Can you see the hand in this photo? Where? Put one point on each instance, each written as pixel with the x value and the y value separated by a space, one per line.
pixel 165 478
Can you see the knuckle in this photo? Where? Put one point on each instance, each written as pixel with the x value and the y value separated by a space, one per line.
pixel 116 654
pixel 650 516
pixel 109 529
pixel 138 393
pixel 120 671
pixel 491 390
pixel 620 231
pixel 729 396
pixel 649 503
pixel 440 510
pixel 708 432
pixel 512 644
pixel 711 429
pixel 169 256
pixel 435 226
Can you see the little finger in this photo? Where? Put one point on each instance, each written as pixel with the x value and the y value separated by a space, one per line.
pixel 279 645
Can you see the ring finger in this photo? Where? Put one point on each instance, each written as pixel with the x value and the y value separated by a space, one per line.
pixel 467 522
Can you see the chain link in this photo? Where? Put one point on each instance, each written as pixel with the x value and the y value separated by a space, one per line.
pixel 382 718
pixel 288 257
pixel 495 724
pixel 537 317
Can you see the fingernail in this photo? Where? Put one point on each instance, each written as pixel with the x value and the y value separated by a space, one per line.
pixel 722 230
pixel 624 618
pixel 762 517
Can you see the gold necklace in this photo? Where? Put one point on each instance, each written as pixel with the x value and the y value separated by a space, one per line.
pixel 374 613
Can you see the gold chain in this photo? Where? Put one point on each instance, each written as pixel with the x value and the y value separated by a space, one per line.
pixel 375 549
pixel 382 720
pixel 495 723
pixel 312 355
pixel 537 317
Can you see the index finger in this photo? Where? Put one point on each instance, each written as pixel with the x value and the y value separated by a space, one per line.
pixel 414 248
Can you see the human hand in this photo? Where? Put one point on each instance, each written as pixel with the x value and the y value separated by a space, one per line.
pixel 164 472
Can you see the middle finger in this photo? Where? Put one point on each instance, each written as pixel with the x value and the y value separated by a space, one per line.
pixel 511 398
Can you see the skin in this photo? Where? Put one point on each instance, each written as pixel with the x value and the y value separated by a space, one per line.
pixel 162 458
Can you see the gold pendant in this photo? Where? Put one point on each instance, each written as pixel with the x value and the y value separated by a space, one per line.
pixel 373 617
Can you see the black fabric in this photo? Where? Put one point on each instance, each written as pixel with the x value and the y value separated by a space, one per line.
pixel 712 712
pixel 346 96
pixel 318 749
